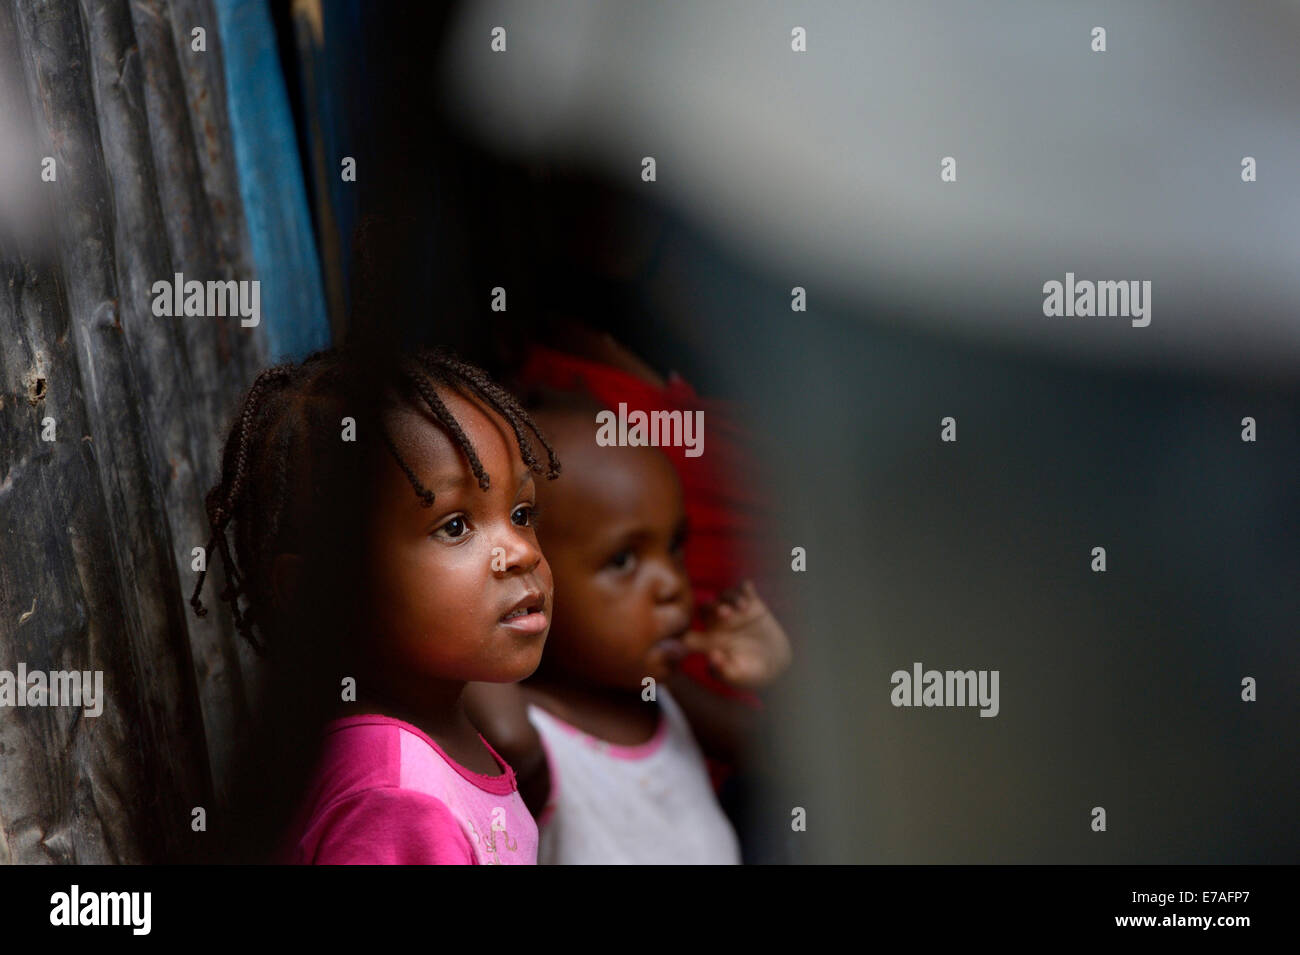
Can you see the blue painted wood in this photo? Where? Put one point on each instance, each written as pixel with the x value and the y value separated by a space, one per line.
pixel 271 182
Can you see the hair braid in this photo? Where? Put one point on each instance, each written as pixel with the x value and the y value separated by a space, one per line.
pixel 425 495
pixel 449 422
pixel 223 500
pixel 503 402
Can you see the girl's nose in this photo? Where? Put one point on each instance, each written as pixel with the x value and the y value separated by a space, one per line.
pixel 521 552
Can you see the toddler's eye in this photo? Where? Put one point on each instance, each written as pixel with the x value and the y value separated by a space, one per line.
pixel 453 528
pixel 678 544
pixel 524 515
pixel 623 560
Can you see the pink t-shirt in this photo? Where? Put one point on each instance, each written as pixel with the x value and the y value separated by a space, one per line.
pixel 384 793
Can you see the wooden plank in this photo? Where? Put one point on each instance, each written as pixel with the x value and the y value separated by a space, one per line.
pixel 96 528
pixel 243 353
pixel 154 687
pixel 69 784
pixel 165 224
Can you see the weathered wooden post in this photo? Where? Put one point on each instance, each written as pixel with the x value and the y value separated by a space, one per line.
pixel 115 119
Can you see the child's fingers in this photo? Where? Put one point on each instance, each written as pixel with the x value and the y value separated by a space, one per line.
pixel 697 641
pixel 729 597
pixel 742 599
pixel 708 613
pixel 718 664
pixel 739 670
pixel 746 598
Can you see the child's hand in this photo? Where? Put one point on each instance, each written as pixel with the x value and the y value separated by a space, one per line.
pixel 745 644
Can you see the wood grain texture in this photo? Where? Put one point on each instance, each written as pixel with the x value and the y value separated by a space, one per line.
pixel 97 527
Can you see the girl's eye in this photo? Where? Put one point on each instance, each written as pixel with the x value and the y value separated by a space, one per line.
pixel 453 528
pixel 623 560
pixel 524 515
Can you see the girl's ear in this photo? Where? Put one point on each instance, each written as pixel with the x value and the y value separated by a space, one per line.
pixel 285 570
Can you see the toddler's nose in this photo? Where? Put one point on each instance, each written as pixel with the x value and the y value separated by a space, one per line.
pixel 671 586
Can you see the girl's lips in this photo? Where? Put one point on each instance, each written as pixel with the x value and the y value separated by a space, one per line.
pixel 533 622
pixel 528 615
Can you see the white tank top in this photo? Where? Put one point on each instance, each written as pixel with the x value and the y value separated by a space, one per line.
pixel 650 804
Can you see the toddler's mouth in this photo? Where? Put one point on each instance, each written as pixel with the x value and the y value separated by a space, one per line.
pixel 671 648
pixel 677 632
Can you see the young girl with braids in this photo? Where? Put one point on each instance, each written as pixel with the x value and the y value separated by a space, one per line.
pixel 385 554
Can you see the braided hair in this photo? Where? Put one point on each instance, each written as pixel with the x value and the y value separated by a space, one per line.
pixel 285 439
